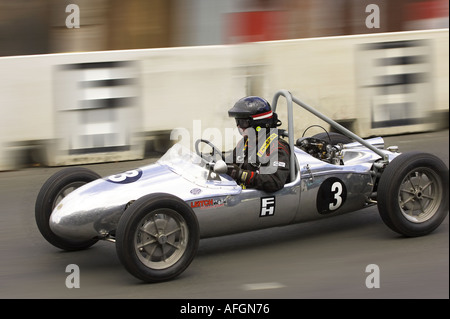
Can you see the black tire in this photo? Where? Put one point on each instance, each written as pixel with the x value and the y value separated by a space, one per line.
pixel 413 194
pixel 333 138
pixel 157 237
pixel 52 192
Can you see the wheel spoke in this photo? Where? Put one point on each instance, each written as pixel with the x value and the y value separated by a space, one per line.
pixel 150 254
pixel 142 245
pixel 163 253
pixel 166 220
pixel 427 185
pixel 173 231
pixel 412 184
pixel 154 223
pixel 142 229
pixel 173 245
pixel 407 191
pixel 428 196
pixel 420 178
pixel 407 200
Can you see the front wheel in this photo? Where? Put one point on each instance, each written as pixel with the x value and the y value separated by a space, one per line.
pixel 52 192
pixel 157 237
pixel 413 194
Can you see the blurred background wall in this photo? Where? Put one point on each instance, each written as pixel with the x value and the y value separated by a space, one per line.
pixel 38 26
pixel 117 84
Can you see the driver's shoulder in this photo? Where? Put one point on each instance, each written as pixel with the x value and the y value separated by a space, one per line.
pixel 283 145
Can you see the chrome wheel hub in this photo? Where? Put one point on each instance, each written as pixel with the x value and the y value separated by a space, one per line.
pixel 420 194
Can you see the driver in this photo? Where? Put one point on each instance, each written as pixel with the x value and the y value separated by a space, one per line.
pixel 260 159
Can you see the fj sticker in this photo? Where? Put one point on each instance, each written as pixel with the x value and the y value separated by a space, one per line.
pixel 267 206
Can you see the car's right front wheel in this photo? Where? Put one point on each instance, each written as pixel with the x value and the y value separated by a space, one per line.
pixel 413 194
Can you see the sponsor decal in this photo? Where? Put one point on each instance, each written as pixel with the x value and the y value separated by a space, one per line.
pixel 279 164
pixel 208 203
pixel 195 191
pixel 269 140
pixel 267 206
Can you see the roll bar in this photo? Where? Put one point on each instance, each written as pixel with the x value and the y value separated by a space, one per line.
pixel 334 124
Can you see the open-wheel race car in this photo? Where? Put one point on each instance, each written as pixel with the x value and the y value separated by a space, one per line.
pixel 157 214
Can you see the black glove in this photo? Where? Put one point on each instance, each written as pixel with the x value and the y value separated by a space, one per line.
pixel 241 176
pixel 247 177
pixel 234 171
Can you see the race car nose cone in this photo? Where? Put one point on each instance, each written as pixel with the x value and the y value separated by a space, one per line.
pixel 70 223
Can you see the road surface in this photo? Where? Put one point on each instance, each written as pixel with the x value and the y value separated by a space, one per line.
pixel 333 258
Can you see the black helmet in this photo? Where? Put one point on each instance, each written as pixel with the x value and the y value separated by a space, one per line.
pixel 253 111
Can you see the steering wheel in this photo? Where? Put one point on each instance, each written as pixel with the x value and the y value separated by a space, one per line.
pixel 211 156
pixel 313 146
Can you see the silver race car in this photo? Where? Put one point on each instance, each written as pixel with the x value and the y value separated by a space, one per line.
pixel 157 214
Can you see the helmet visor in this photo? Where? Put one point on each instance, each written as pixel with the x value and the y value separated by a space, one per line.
pixel 244 123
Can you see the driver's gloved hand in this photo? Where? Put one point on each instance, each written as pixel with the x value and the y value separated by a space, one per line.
pixel 246 177
pixel 234 171
pixel 241 176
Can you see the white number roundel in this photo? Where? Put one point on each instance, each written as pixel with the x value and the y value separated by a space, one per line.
pixel 331 195
pixel 126 177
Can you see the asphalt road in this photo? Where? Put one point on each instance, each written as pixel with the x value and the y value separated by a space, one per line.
pixel 331 258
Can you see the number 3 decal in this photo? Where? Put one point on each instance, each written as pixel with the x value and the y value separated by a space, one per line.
pixel 125 177
pixel 331 195
pixel 336 189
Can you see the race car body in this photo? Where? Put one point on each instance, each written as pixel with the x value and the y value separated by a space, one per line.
pixel 222 207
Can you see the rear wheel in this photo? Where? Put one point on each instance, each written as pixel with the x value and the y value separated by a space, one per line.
pixel 52 192
pixel 157 237
pixel 413 194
